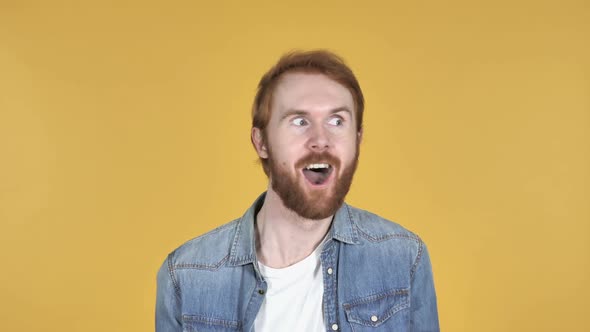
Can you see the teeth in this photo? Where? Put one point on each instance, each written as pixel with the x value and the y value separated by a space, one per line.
pixel 316 166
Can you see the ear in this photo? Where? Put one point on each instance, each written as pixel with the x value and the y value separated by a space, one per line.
pixel 258 142
pixel 360 136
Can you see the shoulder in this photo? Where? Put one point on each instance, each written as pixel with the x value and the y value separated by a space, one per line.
pixel 374 228
pixel 387 241
pixel 207 251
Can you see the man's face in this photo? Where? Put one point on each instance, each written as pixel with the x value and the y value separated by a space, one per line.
pixel 311 144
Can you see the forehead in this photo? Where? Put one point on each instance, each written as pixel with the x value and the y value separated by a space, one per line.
pixel 310 92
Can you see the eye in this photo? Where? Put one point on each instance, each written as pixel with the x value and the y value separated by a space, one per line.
pixel 336 121
pixel 299 122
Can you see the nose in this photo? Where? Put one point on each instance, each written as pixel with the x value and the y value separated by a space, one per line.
pixel 318 140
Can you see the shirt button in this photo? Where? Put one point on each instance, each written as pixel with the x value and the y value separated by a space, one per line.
pixel 374 318
pixel 335 327
pixel 330 271
pixel 261 291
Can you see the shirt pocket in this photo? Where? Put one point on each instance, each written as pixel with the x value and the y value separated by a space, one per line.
pixel 203 323
pixel 387 311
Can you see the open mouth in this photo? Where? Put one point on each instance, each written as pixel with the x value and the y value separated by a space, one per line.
pixel 317 174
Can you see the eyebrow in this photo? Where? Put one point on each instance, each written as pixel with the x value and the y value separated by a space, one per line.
pixel 292 112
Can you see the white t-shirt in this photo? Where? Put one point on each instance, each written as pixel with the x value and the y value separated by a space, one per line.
pixel 293 299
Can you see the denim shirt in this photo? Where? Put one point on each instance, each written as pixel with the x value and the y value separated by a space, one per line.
pixel 377 277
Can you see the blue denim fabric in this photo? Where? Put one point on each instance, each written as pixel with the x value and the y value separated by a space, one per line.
pixel 380 280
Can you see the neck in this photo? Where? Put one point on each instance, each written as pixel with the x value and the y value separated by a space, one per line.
pixel 283 237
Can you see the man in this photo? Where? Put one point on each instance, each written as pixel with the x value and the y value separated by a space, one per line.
pixel 300 259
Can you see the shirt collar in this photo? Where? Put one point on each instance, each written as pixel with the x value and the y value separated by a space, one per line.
pixel 243 248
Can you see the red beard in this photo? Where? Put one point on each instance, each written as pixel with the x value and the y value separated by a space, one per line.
pixel 312 204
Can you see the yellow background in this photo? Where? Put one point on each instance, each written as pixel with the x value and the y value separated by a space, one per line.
pixel 124 131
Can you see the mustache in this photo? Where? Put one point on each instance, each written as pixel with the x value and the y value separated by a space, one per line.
pixel 317 158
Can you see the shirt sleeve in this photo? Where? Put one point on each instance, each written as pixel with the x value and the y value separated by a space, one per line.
pixel 168 312
pixel 424 313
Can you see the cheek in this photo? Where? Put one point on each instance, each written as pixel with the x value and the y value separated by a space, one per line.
pixel 349 153
pixel 283 143
pixel 284 156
